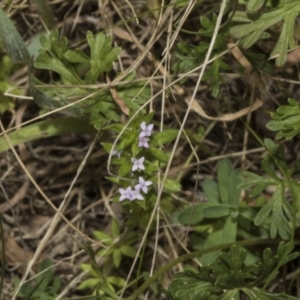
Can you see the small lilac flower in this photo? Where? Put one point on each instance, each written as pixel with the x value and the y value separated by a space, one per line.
pixel 146 130
pixel 123 193
pixel 138 164
pixel 117 153
pixel 143 142
pixel 138 195
pixel 131 195
pixel 143 185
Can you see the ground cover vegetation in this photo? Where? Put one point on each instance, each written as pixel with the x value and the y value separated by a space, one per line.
pixel 149 149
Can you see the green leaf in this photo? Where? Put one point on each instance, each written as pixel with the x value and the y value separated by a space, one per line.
pixel 222 234
pixel 158 154
pixel 88 283
pixel 48 128
pixel 271 146
pixel 118 281
pixel 47 271
pixel 103 237
pixel 172 185
pixel 217 211
pixel 210 189
pixel 256 183
pixel 254 5
pixel 234 189
pixel 187 285
pixel 107 147
pixel 213 75
pixel 115 230
pixel 286 120
pixel 269 170
pixel 165 136
pixel 228 275
pixel 45 101
pixel 12 40
pixel 134 94
pixel 117 257
pixel 53 59
pixel 128 251
pixel 76 56
pixel 193 214
pixel 250 32
pixel 124 169
pixel 280 212
pixel 224 172
pixel 102 56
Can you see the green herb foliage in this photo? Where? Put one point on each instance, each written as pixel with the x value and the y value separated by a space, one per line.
pixel 47 284
pixel 230 277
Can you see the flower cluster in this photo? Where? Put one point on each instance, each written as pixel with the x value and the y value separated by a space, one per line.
pixel 138 164
pixel 145 134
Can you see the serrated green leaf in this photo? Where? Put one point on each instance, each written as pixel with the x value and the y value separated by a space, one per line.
pixel 249 33
pixel 189 286
pixel 102 56
pixel 279 218
pixel 286 120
